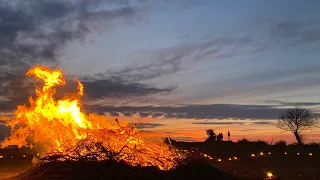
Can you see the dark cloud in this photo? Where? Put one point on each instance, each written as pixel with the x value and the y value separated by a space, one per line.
pixel 145 125
pixel 218 123
pixel 245 130
pixel 142 114
pixel 155 115
pixel 283 103
pixel 262 122
pixel 114 114
pixel 213 111
pixel 100 88
pixel 166 65
pixel 225 47
pixel 35 31
pixel 232 123
pixel 128 113
pixel 295 33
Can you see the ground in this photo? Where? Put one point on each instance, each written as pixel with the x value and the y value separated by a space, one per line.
pixel 10 168
pixel 290 166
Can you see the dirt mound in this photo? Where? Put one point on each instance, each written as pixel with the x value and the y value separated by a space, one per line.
pixel 115 170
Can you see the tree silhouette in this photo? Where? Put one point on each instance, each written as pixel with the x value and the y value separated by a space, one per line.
pixel 296 120
pixel 212 137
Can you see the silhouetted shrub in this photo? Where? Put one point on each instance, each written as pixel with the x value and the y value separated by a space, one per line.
pixel 313 145
pixel 212 137
pixel 281 143
pixel 260 142
pixel 243 141
pixel 293 145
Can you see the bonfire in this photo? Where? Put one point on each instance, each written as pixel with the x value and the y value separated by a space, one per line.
pixel 59 129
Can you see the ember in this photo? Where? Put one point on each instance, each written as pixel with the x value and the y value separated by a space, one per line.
pixel 60 130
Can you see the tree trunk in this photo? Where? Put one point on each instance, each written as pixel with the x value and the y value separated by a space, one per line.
pixel 297 135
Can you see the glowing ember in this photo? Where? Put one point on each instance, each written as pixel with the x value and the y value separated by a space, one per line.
pixel 269 175
pixel 61 127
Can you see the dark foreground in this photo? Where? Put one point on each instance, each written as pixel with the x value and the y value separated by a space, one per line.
pixel 115 170
pixel 288 167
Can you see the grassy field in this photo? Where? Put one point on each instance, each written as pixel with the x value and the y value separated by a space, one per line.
pixel 289 166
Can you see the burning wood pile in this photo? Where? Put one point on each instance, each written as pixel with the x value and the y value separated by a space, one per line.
pixel 59 130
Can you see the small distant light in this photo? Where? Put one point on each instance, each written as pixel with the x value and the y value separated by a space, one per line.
pixel 210 158
pixel 38 154
pixel 269 153
pixel 24 156
pixel 298 154
pixel 269 175
pixel 219 160
pixel 261 153
pixel 10 156
pixel 310 154
pixel 185 150
pixel 235 158
pixel 1 157
pixel 205 155
pixel 253 155
pixel 230 159
pixel 285 153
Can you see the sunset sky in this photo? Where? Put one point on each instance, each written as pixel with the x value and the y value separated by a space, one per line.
pixel 177 67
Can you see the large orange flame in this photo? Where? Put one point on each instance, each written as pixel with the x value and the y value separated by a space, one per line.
pixel 51 125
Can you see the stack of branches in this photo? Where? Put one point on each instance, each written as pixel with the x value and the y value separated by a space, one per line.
pixel 85 150
pixel 122 144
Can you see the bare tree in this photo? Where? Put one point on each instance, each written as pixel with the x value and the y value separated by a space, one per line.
pixel 296 120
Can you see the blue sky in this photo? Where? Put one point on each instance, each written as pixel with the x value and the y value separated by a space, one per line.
pixel 260 50
pixel 133 56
